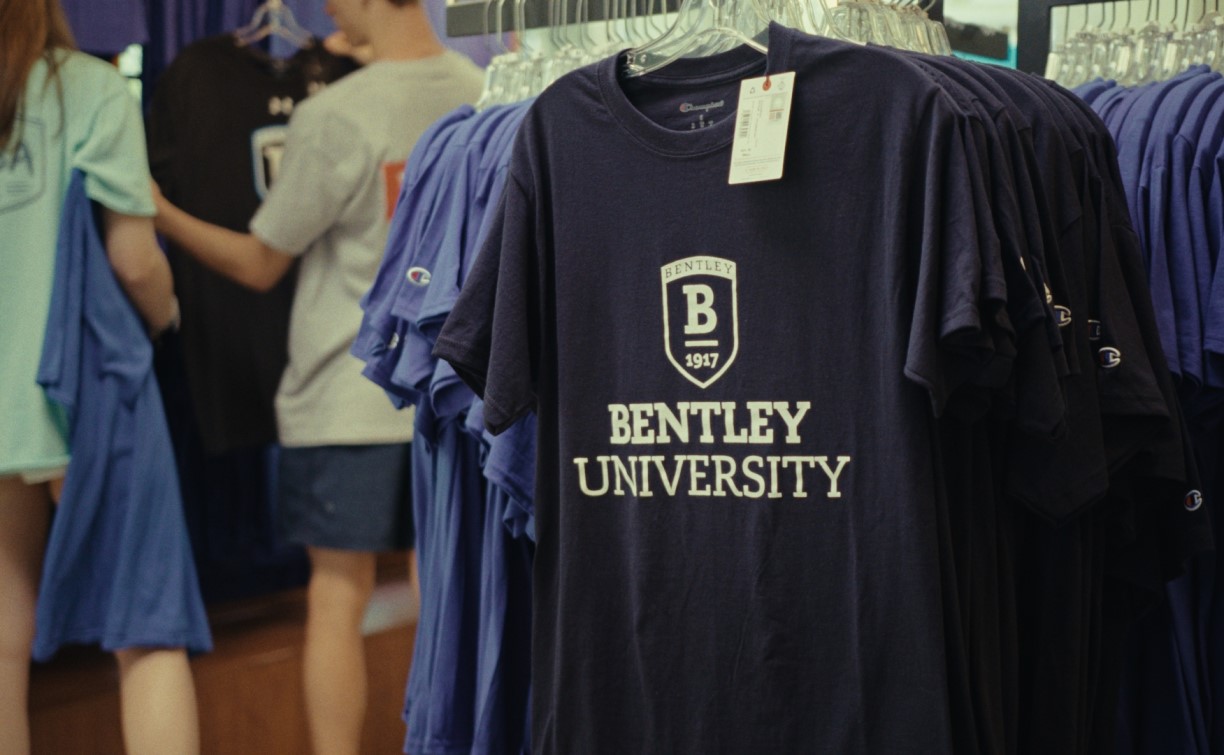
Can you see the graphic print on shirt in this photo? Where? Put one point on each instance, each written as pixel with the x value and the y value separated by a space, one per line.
pixel 393 178
pixel 700 317
pixel 748 449
pixel 22 167
pixel 267 149
pixel 726 428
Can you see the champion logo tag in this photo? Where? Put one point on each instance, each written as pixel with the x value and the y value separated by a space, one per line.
pixel 418 276
pixel 1094 330
pixel 689 107
pixel 1194 500
pixel 1109 357
pixel 1063 314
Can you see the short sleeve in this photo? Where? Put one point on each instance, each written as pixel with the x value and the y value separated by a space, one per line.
pixel 492 337
pixel 110 150
pixel 948 344
pixel 323 170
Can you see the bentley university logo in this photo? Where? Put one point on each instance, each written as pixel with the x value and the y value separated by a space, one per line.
pixel 700 317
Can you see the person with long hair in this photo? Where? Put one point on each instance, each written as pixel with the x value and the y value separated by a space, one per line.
pixel 60 111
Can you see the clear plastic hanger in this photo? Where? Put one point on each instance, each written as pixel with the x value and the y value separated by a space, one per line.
pixel 497 72
pixel 1150 44
pixel 1172 61
pixel 1121 46
pixel 701 28
pixel 1057 57
pixel 273 18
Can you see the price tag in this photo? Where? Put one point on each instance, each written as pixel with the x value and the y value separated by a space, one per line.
pixel 762 119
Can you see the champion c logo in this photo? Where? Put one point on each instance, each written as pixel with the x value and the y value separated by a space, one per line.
pixel 1094 330
pixel 418 276
pixel 1194 500
pixel 1110 357
pixel 1063 314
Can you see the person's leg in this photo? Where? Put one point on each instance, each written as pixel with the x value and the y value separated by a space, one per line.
pixel 25 514
pixel 158 702
pixel 334 672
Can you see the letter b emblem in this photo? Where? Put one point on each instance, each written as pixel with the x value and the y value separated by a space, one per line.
pixel 700 317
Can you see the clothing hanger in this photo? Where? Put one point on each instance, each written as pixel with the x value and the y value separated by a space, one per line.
pixel 701 28
pixel 496 71
pixel 273 18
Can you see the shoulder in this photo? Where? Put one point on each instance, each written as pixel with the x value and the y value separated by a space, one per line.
pixel 85 76
pixel 460 66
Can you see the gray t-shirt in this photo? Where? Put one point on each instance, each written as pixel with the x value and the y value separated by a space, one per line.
pixel 331 204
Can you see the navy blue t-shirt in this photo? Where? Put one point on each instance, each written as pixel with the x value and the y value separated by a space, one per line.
pixel 736 526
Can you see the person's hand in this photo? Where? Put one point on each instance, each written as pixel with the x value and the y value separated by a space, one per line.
pixel 162 206
pixel 337 43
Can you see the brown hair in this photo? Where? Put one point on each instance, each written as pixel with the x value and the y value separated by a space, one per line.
pixel 29 29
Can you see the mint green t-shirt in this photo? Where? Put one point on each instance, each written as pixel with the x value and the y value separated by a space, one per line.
pixel 90 122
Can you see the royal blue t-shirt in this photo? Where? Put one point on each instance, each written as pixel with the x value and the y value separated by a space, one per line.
pixel 1169 237
pixel 379 342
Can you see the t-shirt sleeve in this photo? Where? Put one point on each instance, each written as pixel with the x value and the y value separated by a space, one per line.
pixel 110 150
pixel 946 338
pixel 492 336
pixel 322 172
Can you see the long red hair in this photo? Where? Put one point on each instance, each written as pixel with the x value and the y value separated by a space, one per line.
pixel 28 29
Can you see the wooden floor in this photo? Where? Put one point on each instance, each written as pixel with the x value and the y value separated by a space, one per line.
pixel 249 687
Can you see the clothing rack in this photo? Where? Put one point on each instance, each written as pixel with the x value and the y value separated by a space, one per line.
pixel 475 17
pixel 1033 31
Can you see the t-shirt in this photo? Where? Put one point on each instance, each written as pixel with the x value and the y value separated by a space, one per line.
pixel 216 137
pixel 1168 245
pixel 378 340
pixel 1194 148
pixel 343 154
pixel 95 127
pixel 711 366
pixel 118 569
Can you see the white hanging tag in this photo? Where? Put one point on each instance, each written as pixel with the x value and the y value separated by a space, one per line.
pixel 762 119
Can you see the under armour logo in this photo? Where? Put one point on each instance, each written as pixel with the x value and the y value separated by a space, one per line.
pixel 1194 500
pixel 280 106
pixel 1110 357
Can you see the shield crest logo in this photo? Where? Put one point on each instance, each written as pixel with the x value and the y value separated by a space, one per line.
pixel 700 317
pixel 23 165
pixel 267 148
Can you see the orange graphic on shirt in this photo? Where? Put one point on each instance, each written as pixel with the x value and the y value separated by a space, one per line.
pixel 393 176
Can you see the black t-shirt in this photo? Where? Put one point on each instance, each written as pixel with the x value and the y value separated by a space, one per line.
pixel 737 527
pixel 216 131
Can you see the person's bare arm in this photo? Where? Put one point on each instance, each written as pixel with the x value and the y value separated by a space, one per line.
pixel 241 257
pixel 141 268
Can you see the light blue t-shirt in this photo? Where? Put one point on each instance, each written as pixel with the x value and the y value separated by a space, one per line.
pixel 88 122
